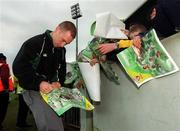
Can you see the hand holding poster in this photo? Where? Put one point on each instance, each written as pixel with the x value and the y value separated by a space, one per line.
pixel 149 62
pixel 62 99
pixel 107 69
pixel 92 52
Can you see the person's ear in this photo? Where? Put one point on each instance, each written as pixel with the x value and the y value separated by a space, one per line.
pixel 153 14
pixel 58 29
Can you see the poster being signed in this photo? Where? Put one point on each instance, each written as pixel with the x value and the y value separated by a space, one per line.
pixel 62 99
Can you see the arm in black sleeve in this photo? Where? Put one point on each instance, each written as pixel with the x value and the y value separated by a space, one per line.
pixel 23 64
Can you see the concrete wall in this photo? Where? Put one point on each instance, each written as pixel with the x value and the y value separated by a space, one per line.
pixel 153 107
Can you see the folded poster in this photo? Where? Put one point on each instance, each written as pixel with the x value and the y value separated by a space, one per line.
pixel 73 77
pixel 91 76
pixel 109 26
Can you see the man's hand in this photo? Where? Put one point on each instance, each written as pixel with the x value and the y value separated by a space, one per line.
pixel 107 47
pixel 45 87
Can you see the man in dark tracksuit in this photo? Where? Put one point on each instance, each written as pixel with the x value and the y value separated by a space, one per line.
pixel 40 65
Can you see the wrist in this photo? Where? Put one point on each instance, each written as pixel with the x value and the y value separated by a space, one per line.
pixel 116 45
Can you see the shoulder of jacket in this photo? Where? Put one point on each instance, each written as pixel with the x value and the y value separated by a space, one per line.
pixel 34 42
pixel 4 66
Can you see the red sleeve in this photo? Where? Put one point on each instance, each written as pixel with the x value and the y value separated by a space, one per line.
pixel 4 74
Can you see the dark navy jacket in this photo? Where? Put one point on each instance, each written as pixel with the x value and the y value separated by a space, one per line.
pixel 39 61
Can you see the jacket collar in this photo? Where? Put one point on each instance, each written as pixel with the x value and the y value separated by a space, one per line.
pixel 48 37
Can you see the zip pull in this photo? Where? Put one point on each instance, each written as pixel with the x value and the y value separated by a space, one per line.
pixel 53 50
pixel 42 46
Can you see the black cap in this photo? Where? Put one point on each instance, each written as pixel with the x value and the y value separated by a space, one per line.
pixel 2 56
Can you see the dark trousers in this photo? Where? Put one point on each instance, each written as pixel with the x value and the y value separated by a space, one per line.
pixel 22 111
pixel 4 98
